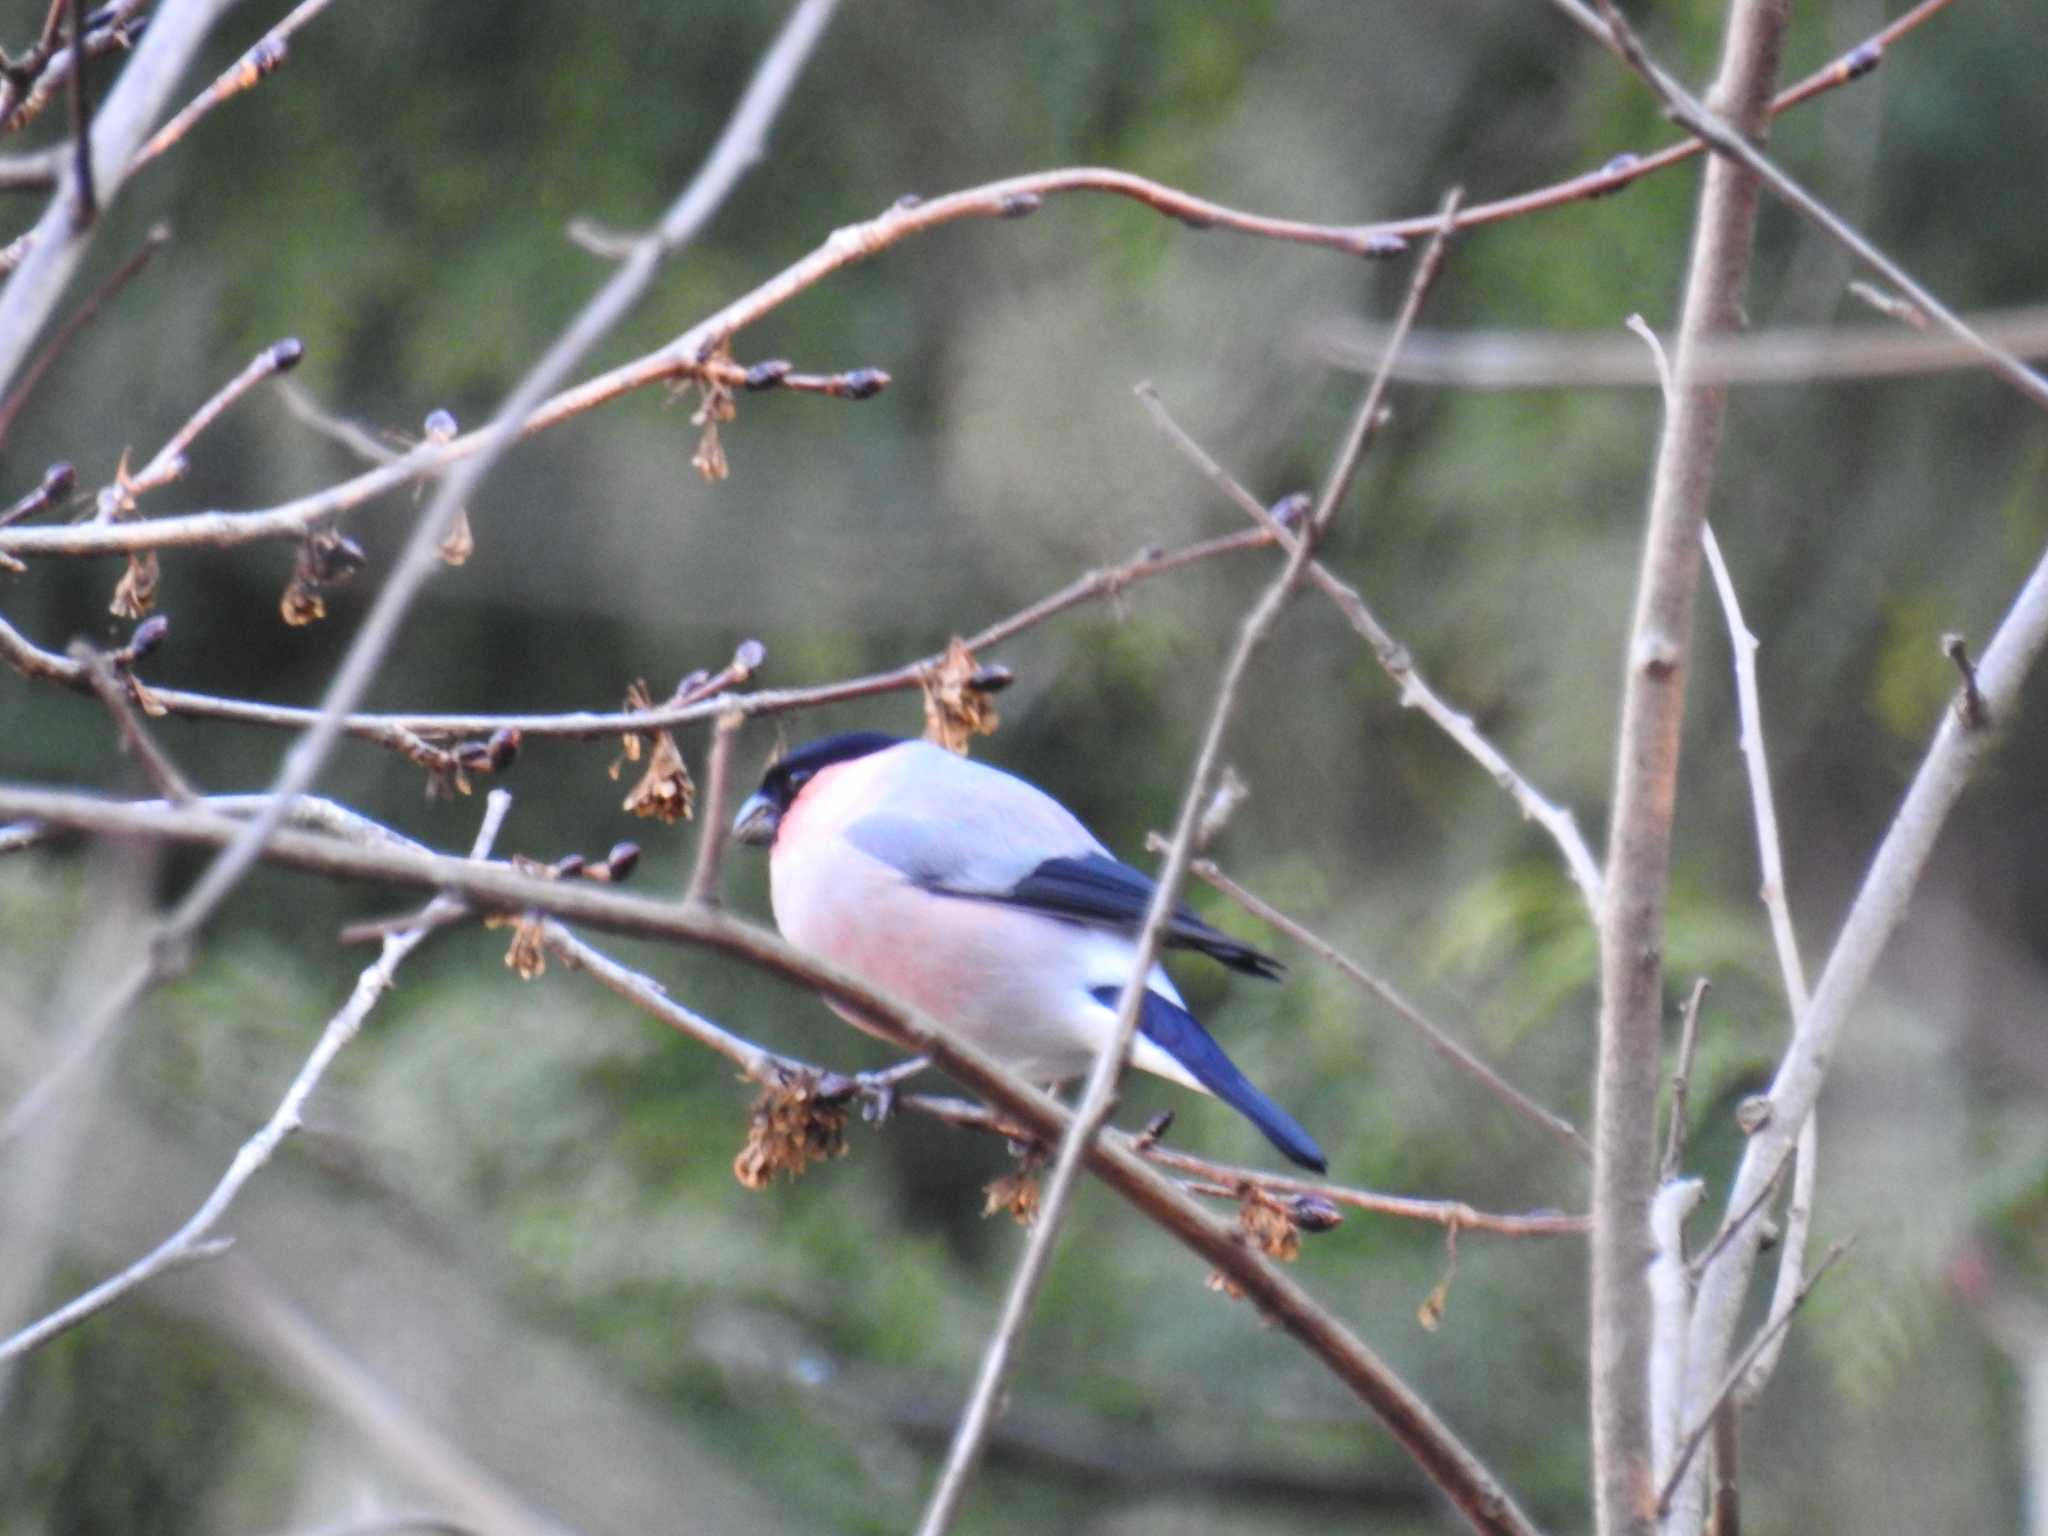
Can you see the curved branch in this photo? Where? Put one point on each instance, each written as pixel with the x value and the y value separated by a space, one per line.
pixel 690 355
pixel 55 246
pixel 403 732
pixel 194 1241
pixel 497 888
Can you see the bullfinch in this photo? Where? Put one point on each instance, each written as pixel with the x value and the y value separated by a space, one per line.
pixel 984 902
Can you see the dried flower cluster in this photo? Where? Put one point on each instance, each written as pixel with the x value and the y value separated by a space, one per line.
pixel 665 790
pixel 957 704
pixel 791 1124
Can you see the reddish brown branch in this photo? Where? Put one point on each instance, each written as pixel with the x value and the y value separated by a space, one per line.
pixel 30 87
pixel 169 462
pixel 1225 1180
pixel 762 1065
pixel 493 887
pixel 397 732
pixel 694 354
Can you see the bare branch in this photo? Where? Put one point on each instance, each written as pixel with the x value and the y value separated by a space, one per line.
pixel 56 484
pixel 490 887
pixel 169 462
pixel 1770 858
pixel 1526 359
pixel 711 814
pixel 1880 904
pixel 143 747
pixel 401 732
pixel 87 205
pixel 738 146
pixel 692 354
pixel 1645 796
pixel 1681 1079
pixel 194 1241
pixel 1777 1324
pixel 1399 665
pixel 1433 1035
pixel 1670 1314
pixel 262 59
pixel 1098 1095
pixel 1452 1215
pixel 759 1063
pixel 762 1065
pixel 1734 142
pixel 176 30
pixel 356 439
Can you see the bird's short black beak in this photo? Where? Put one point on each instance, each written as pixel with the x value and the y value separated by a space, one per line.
pixel 757 821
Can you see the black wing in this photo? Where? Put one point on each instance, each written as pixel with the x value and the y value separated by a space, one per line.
pixel 1110 894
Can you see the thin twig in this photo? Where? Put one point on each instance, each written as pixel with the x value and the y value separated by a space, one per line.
pixel 1097 1097
pixel 23 72
pixel 56 484
pixel 1399 665
pixel 1452 1215
pixel 1681 1081
pixel 1784 938
pixel 1625 169
pixel 54 246
pixel 87 207
pixel 1433 1035
pixel 27 91
pixel 156 764
pixel 711 813
pixel 1970 706
pixel 263 57
pixel 692 353
pixel 169 462
pixel 1733 143
pixel 738 146
pixel 760 1064
pixel 194 1240
pixel 1557 359
pixel 68 330
pixel 1229 1180
pixel 1697 1435
pixel 491 887
pixel 1952 757
pixel 311 811
pixel 1732 1227
pixel 398 732
pixel 357 439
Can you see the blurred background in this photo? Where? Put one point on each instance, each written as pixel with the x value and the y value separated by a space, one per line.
pixel 506 1275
